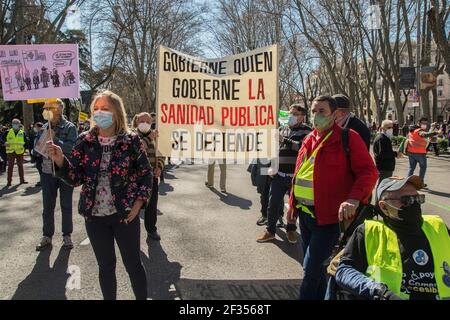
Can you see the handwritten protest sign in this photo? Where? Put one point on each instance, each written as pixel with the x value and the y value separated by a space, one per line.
pixel 39 71
pixel 41 144
pixel 218 108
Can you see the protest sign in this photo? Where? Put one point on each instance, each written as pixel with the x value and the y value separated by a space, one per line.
pixel 39 71
pixel 41 144
pixel 283 117
pixel 218 108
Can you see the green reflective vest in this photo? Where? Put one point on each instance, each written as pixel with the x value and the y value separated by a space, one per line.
pixel 15 143
pixel 385 263
pixel 303 186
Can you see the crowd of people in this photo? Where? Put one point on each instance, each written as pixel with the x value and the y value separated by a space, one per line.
pixel 329 174
pixel 326 169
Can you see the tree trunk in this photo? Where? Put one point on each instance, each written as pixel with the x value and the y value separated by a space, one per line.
pixel 434 112
pixel 27 110
pixel 425 99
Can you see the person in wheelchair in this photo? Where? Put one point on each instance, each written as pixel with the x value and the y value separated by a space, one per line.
pixel 404 257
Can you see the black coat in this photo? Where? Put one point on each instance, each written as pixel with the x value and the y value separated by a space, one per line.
pixel 360 127
pixel 384 155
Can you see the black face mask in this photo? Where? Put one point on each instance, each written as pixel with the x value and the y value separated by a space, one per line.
pixel 410 218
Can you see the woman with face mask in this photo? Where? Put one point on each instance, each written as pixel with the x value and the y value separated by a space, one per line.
pixel 110 163
pixel 383 152
pixel 142 124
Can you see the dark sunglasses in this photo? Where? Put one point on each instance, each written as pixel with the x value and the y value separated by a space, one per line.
pixel 410 200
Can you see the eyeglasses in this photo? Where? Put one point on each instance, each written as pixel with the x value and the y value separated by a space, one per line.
pixel 410 200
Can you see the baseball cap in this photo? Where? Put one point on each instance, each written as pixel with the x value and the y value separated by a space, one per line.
pixel 396 183
pixel 342 101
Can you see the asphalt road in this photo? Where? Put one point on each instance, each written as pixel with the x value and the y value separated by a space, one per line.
pixel 208 248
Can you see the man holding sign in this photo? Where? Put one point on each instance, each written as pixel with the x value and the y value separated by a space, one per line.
pixel 64 134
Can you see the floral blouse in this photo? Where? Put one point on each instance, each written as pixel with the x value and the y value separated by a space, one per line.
pixel 129 171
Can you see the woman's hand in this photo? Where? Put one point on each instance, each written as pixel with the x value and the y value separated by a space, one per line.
pixel 134 211
pixel 55 153
pixel 157 172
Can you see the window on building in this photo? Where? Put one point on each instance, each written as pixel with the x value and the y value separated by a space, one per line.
pixel 440 93
pixel 441 82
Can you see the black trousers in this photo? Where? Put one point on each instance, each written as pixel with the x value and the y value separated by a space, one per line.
pixel 264 198
pixel 151 210
pixel 102 232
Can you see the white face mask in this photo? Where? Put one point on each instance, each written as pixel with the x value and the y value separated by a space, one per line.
pixel 47 115
pixel 389 132
pixel 144 127
pixel 424 127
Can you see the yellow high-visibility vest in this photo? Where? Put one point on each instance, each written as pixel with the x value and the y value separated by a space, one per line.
pixel 15 142
pixel 385 263
pixel 304 186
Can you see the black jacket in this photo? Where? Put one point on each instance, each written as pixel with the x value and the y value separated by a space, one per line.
pixel 360 127
pixel 292 141
pixel 384 155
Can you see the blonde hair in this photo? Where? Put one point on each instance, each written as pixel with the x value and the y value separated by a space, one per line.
pixel 386 123
pixel 137 116
pixel 116 107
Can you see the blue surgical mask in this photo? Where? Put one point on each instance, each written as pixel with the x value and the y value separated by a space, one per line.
pixel 16 126
pixel 292 120
pixel 103 119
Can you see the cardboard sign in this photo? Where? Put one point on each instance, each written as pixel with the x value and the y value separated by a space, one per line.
pixel 41 144
pixel 39 71
pixel 218 108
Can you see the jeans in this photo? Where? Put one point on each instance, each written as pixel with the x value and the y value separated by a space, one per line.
pixel 12 157
pixel 50 186
pixel 102 231
pixel 415 158
pixel 151 210
pixel 279 186
pixel 264 198
pixel 318 242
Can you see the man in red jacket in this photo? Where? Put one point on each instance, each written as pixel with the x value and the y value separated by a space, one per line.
pixel 329 185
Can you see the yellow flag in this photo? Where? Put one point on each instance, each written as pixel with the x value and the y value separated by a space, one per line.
pixel 41 100
pixel 83 116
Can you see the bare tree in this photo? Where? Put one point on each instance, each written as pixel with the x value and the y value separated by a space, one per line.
pixel 139 27
pixel 438 17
